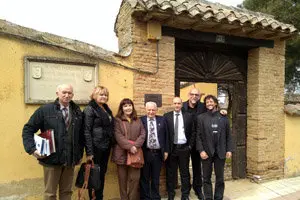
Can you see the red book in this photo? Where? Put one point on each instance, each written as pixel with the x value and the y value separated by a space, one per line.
pixel 49 135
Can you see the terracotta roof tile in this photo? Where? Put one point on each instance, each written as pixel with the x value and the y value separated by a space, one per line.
pixel 292 109
pixel 207 11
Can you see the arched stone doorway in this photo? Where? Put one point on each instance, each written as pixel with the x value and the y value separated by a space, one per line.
pixel 226 66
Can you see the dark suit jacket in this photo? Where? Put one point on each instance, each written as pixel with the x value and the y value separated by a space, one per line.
pixel 205 138
pixel 200 107
pixel 162 134
pixel 189 128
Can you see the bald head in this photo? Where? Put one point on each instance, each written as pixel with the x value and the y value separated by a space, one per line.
pixel 194 97
pixel 177 103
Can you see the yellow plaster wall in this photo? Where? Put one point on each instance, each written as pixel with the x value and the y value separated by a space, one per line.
pixel 206 88
pixel 119 83
pixel 17 165
pixel 292 143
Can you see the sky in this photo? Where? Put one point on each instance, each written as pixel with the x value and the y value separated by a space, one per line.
pixel 90 21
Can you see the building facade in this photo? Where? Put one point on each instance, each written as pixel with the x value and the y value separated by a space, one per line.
pixel 161 45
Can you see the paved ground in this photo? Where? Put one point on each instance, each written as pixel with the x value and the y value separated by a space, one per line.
pixel 279 189
pixel 284 189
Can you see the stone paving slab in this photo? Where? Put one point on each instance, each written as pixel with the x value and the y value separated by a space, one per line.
pixel 284 189
pixel 244 189
pixel 292 196
pixel 278 189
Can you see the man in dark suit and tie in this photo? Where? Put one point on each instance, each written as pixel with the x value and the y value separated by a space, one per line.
pixel 181 136
pixel 155 149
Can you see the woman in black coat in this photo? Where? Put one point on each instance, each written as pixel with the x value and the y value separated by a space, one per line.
pixel 98 132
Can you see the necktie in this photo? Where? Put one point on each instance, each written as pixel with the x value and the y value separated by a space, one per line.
pixel 152 138
pixel 176 129
pixel 66 116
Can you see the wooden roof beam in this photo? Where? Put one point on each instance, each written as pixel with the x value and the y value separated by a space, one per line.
pixel 272 35
pixel 288 37
pixel 253 32
pixel 147 17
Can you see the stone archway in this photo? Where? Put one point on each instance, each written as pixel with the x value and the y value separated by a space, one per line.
pixel 208 66
pixel 217 67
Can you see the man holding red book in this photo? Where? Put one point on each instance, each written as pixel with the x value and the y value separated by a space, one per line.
pixel 64 117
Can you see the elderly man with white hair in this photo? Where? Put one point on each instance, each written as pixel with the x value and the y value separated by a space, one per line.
pixel 64 117
pixel 155 150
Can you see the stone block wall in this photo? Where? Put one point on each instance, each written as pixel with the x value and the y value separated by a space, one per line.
pixel 265 121
pixel 153 61
pixel 123 27
pixel 161 76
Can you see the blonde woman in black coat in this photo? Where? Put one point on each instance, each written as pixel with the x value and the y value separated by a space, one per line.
pixel 98 132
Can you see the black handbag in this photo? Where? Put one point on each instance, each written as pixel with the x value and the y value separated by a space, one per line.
pixel 92 173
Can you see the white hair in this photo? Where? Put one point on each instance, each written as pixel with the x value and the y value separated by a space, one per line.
pixel 149 103
pixel 61 86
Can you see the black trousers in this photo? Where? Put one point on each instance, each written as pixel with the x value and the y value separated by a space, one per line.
pixel 150 173
pixel 219 173
pixel 197 173
pixel 100 157
pixel 179 157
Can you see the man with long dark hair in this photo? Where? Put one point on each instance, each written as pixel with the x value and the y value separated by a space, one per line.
pixel 214 144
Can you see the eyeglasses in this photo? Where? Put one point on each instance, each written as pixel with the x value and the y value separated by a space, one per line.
pixel 193 94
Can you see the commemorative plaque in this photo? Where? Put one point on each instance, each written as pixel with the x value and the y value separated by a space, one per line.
pixel 157 98
pixel 43 75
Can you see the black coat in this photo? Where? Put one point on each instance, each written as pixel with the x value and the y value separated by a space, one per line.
pixel 162 134
pixel 189 128
pixel 200 108
pixel 47 117
pixel 98 127
pixel 205 139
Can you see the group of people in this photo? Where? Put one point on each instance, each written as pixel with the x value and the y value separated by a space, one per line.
pixel 192 129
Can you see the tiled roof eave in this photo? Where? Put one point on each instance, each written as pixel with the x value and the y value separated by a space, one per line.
pixel 165 16
pixel 203 11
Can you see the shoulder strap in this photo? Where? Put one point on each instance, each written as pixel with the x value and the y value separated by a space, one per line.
pixel 125 129
pixel 86 182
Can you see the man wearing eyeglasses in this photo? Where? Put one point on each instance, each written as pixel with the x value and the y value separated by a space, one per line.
pixel 195 107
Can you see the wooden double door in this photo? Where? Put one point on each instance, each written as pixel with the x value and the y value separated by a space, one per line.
pixel 227 67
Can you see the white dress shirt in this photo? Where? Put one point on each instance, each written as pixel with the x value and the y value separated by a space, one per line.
pixel 181 134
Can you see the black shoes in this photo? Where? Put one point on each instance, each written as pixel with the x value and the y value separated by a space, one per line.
pixel 185 198
pixel 199 195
